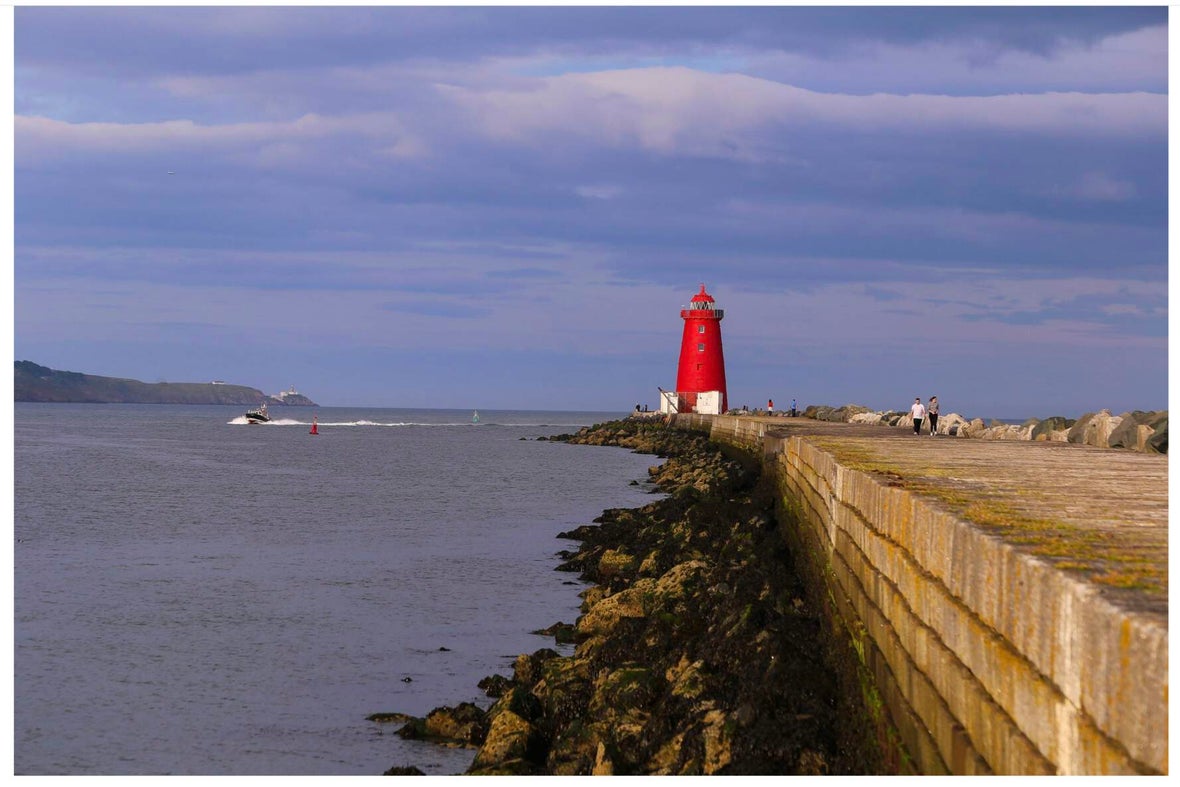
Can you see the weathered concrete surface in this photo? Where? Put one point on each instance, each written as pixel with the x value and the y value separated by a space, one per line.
pixel 1007 600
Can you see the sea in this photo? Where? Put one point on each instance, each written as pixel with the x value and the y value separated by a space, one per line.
pixel 197 595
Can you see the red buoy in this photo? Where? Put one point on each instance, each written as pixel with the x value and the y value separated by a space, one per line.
pixel 702 362
pixel 315 429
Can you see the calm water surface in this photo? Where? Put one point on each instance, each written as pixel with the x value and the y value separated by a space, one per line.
pixel 198 596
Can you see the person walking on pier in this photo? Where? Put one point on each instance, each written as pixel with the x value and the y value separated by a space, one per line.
pixel 932 415
pixel 918 412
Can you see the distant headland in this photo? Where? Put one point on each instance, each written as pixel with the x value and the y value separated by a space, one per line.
pixel 36 383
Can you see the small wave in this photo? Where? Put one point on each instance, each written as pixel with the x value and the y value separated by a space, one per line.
pixel 241 420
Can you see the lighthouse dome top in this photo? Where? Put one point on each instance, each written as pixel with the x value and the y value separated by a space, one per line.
pixel 702 307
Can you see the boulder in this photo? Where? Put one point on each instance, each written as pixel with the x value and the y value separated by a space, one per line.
pixel 951 423
pixel 526 670
pixel 1094 429
pixel 718 737
pixel 562 633
pixel 464 725
pixel 605 615
pixel 999 431
pixel 973 428
pixel 495 685
pixel 513 746
pixel 614 563
pixel 849 411
pixel 1045 429
pixel 1134 430
pixel 1158 442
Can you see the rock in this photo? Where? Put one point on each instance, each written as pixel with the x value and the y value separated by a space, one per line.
pixel 463 725
pixel 495 685
pixel 511 738
pixel 1158 442
pixel 465 722
pixel 1000 431
pixel 685 678
pixel 1141 436
pixel 691 656
pixel 564 694
pixel 562 633
pixel 615 562
pixel 718 735
pixel 1134 430
pixel 526 670
pixel 951 423
pixel 601 618
pixel 387 718
pixel 1094 429
pixel 603 765
pixel 1044 430
pixel 403 770
pixel 973 428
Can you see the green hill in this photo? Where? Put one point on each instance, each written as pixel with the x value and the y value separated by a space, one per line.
pixel 35 383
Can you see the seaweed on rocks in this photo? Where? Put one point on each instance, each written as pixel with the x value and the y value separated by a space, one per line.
pixel 695 650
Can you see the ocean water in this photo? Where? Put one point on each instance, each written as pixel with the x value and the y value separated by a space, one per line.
pixel 194 595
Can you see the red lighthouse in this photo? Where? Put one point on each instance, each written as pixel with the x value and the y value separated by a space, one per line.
pixel 702 363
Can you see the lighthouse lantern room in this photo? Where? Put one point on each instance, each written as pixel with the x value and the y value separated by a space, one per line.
pixel 700 376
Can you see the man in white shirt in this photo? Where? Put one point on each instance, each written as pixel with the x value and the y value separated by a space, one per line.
pixel 918 412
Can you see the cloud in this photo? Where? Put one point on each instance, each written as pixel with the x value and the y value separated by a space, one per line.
pixel 679 111
pixel 1132 60
pixel 372 181
pixel 599 191
pixel 41 139
pixel 1098 187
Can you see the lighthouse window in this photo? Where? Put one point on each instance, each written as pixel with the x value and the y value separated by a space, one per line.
pixel 701 347
pixel 700 329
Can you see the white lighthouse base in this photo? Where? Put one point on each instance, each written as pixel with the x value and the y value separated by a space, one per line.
pixel 707 402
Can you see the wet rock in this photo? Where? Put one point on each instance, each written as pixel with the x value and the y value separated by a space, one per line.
pixel 495 685
pixel 390 718
pixel 562 633
pixel 616 562
pixel 526 670
pixel 691 654
pixel 463 725
pixel 404 770
pixel 514 744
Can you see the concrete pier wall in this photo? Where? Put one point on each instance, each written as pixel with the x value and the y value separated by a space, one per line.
pixel 974 653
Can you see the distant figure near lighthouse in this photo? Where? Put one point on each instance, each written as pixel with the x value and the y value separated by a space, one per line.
pixel 702 363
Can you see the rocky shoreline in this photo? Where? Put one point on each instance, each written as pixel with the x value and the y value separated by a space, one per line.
pixel 1136 430
pixel 696 651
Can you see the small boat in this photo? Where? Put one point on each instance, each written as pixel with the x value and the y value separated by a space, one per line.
pixel 258 415
pixel 475 417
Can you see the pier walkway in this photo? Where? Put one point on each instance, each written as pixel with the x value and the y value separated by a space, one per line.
pixel 1008 600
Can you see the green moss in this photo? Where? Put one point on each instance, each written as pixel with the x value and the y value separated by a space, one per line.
pixel 1106 558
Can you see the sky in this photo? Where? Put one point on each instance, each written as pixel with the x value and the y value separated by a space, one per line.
pixel 480 207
